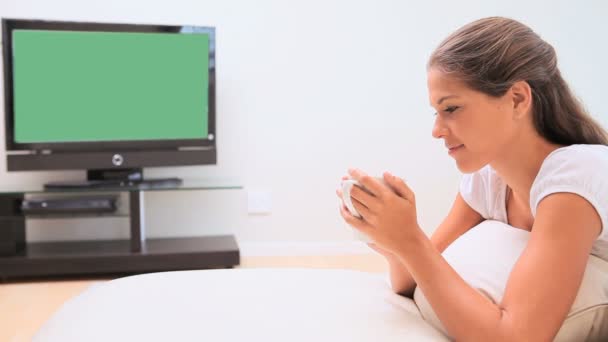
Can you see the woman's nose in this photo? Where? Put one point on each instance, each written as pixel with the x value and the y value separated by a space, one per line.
pixel 439 129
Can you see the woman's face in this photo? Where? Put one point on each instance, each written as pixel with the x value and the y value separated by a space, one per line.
pixel 482 124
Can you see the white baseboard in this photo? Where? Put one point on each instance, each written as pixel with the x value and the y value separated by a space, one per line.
pixel 288 248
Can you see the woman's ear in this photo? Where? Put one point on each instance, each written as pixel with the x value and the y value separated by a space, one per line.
pixel 521 94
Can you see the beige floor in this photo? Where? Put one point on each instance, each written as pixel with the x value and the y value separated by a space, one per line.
pixel 25 306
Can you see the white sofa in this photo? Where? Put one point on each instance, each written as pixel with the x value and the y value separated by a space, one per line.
pixel 241 305
pixel 308 304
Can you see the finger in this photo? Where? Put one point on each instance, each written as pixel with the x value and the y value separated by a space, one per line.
pixel 399 186
pixel 370 183
pixel 351 220
pixel 346 214
pixel 364 211
pixel 364 197
pixel 357 223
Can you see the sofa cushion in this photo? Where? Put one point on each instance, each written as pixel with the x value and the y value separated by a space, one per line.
pixel 484 257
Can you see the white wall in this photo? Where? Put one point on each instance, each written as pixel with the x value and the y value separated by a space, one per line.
pixel 307 89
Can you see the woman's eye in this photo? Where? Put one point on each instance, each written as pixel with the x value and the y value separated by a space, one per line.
pixel 451 109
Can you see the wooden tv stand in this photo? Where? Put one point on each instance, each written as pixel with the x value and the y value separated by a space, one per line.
pixel 19 259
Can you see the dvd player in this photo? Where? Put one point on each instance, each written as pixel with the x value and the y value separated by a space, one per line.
pixel 81 204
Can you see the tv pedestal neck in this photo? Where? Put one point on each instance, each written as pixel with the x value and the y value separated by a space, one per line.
pixel 20 259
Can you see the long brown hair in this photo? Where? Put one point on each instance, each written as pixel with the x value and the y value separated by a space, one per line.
pixel 491 54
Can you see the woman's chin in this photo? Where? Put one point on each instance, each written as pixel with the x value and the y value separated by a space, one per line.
pixel 465 167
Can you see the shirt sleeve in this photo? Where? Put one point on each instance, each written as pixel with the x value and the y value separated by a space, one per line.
pixel 579 171
pixel 474 189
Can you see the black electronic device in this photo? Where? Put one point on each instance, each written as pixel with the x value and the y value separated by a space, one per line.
pixel 65 205
pixel 109 98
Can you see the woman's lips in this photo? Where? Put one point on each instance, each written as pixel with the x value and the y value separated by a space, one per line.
pixel 455 149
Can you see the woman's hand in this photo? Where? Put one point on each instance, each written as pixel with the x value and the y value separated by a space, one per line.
pixel 388 215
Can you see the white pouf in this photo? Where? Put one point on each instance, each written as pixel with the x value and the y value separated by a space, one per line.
pixel 241 305
pixel 484 258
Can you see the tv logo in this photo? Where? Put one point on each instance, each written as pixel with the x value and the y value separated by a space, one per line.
pixel 117 159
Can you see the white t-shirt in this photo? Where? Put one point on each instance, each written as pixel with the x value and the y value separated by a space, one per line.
pixel 579 169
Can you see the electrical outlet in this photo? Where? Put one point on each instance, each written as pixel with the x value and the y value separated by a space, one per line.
pixel 259 202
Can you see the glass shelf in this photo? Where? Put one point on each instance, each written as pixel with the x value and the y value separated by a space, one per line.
pixel 63 216
pixel 188 184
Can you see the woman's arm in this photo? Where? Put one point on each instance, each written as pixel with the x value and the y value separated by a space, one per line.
pixel 402 281
pixel 541 288
pixel 542 285
pixel 459 220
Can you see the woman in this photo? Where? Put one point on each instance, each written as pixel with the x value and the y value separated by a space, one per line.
pixel 516 132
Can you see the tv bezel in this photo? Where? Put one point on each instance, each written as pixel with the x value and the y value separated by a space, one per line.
pixel 103 147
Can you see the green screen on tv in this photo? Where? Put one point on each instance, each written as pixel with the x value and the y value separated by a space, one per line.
pixel 72 86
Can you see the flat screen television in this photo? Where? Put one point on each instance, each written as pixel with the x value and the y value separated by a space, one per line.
pixel 107 98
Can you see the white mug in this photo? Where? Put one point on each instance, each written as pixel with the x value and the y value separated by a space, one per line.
pixel 347 186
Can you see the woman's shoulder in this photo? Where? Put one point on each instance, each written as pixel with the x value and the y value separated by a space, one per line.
pixel 586 148
pixel 580 152
pixel 581 159
pixel 579 169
